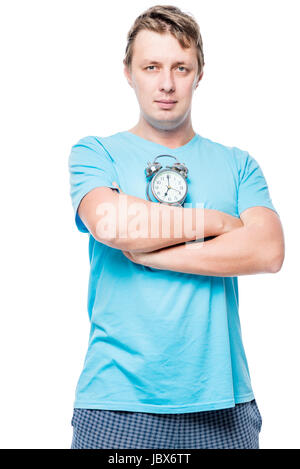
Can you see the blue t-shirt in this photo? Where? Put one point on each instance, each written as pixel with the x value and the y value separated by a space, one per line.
pixel 163 341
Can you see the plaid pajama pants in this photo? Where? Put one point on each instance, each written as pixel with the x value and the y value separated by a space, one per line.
pixel 233 428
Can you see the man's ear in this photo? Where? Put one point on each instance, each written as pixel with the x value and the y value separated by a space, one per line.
pixel 127 74
pixel 199 79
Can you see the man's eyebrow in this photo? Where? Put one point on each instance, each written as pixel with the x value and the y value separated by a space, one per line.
pixel 159 63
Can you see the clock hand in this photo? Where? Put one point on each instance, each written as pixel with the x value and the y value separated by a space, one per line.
pixel 167 187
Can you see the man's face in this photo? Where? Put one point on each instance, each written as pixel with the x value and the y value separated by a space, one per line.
pixel 163 70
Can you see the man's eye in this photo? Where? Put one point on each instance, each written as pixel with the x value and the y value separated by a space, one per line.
pixel 181 66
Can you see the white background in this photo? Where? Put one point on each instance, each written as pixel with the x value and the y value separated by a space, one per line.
pixel 62 79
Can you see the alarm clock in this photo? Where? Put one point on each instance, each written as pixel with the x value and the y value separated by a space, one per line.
pixel 168 185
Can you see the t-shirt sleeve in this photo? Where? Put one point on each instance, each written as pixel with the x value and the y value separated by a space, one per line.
pixel 90 166
pixel 252 188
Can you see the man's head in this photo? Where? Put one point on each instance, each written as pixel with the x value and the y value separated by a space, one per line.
pixel 164 61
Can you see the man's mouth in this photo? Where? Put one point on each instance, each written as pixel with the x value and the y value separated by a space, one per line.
pixel 164 104
pixel 167 101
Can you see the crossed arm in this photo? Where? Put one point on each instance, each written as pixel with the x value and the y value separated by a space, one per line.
pixel 253 243
pixel 133 224
pixel 256 247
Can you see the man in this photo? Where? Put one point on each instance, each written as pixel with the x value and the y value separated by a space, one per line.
pixel 165 366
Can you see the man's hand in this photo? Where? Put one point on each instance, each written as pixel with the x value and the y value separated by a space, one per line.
pixel 138 257
pixel 231 223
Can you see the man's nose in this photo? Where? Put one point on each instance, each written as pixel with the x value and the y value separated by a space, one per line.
pixel 166 81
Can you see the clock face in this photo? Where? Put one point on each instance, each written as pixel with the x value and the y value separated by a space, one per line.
pixel 169 186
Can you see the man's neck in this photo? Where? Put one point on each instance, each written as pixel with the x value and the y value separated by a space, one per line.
pixel 169 138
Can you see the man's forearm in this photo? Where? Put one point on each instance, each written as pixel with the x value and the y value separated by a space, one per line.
pixel 169 226
pixel 144 226
pixel 243 251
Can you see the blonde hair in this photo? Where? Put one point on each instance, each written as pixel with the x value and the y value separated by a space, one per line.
pixel 167 18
